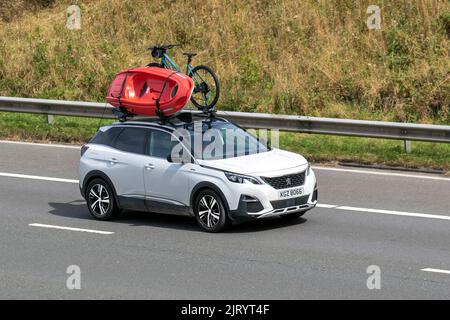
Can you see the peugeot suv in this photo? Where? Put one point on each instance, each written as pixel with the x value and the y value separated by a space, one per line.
pixel 207 168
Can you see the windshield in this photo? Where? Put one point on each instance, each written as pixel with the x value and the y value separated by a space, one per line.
pixel 212 140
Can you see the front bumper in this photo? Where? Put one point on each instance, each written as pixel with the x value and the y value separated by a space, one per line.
pixel 290 209
pixel 242 215
pixel 263 202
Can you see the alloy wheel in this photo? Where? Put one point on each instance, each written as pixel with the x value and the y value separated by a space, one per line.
pixel 209 211
pixel 99 199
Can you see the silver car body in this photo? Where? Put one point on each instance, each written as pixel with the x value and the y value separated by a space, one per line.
pixel 148 183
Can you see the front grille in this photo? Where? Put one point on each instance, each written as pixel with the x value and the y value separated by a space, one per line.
pixel 286 203
pixel 287 181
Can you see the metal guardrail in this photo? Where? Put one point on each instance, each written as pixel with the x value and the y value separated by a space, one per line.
pixel 343 127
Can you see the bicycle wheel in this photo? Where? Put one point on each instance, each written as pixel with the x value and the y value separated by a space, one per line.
pixel 206 91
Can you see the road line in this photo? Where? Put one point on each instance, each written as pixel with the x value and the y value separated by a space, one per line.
pixel 41 144
pixel 392 174
pixel 68 228
pixel 320 205
pixel 326 206
pixel 395 213
pixel 436 270
pixel 26 176
pixel 403 175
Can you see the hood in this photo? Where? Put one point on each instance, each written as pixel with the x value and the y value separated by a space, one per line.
pixel 266 164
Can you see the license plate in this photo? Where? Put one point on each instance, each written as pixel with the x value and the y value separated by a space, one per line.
pixel 290 193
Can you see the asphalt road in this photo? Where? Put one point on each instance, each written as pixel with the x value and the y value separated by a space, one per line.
pixel 399 222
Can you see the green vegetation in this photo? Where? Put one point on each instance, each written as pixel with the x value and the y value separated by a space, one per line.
pixel 29 127
pixel 314 58
pixel 322 148
pixel 298 57
pixel 317 148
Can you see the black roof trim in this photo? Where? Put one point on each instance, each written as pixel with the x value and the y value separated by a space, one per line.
pixel 169 124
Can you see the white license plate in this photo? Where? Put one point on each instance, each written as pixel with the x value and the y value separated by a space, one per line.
pixel 290 193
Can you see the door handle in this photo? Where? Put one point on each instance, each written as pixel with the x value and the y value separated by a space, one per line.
pixel 149 166
pixel 113 161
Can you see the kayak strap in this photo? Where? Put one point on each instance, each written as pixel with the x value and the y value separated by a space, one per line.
pixel 122 109
pixel 158 109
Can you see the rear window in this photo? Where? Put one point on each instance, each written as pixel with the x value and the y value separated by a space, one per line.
pixel 106 137
pixel 132 140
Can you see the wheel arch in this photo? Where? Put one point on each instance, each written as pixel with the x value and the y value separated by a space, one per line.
pixel 199 187
pixel 97 174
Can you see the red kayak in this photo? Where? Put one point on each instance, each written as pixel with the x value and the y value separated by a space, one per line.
pixel 150 91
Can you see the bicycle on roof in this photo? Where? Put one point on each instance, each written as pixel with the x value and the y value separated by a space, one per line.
pixel 206 90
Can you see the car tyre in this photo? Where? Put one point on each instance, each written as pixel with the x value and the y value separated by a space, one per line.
pixel 210 211
pixel 101 201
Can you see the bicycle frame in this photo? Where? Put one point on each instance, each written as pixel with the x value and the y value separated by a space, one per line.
pixel 170 64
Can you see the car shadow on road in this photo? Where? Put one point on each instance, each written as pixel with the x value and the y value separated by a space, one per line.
pixel 77 210
pixel 264 225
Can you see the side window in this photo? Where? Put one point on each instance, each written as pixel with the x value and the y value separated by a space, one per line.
pixel 160 144
pixel 106 137
pixel 132 140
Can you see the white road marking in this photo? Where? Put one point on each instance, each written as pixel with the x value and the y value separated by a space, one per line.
pixel 26 176
pixel 379 173
pixel 436 270
pixel 327 206
pixel 68 228
pixel 41 144
pixel 395 213
pixel 320 205
pixel 382 211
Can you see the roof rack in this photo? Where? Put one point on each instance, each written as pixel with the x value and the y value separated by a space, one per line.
pixel 183 117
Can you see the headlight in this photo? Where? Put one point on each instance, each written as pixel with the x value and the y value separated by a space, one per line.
pixel 237 178
pixel 308 169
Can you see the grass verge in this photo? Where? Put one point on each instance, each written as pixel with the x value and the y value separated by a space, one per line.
pixel 286 57
pixel 324 148
pixel 316 148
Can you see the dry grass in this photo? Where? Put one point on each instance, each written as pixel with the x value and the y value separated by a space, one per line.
pixel 10 10
pixel 302 57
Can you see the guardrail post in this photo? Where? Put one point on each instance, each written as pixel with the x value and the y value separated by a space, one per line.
pixel 408 146
pixel 50 119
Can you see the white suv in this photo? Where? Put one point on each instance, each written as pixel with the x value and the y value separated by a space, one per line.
pixel 132 165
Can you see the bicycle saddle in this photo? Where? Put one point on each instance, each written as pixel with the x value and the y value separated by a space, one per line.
pixel 189 54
